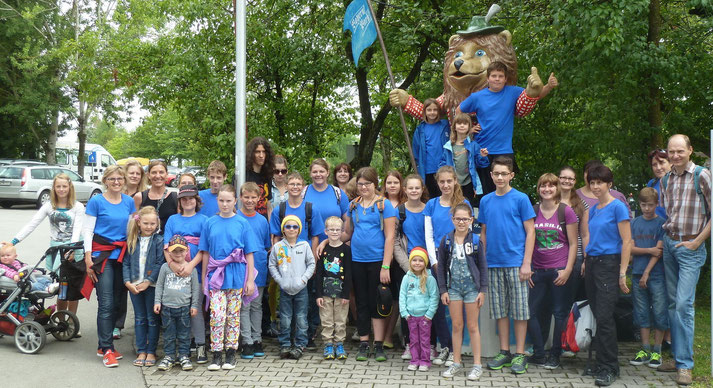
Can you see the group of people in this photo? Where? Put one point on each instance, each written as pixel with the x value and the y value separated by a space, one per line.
pixel 380 250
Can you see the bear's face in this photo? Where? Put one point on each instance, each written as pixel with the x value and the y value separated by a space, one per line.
pixel 468 69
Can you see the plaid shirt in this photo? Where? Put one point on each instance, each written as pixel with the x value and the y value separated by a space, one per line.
pixel 683 206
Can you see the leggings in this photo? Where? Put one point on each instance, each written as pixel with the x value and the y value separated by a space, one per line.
pixel 224 319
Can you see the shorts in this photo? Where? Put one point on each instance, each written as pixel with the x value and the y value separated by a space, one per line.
pixel 467 294
pixel 508 295
pixel 650 304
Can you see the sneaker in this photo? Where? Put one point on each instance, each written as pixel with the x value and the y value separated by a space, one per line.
pixel 247 353
pixel 117 355
pixel 434 353
pixel 379 354
pixel 449 360
pixel 116 333
pixel 568 354
pixel 296 352
pixel 537 361
pixel 185 362
pixel 110 360
pixel 475 373
pixel 328 352
pixel 683 377
pixel 452 370
pixel 591 370
pixel 257 350
pixel 166 363
pixel 341 354
pixel 553 362
pixel 229 362
pixel 655 360
pixel 194 348
pixel 311 346
pixel 441 358
pixel 412 367
pixel 406 355
pixel 605 378
pixel 100 353
pixel 356 337
pixel 363 352
pixel 388 345
pixel 641 358
pixel 504 358
pixel 201 356
pixel 519 364
pixel 52 288
pixel 423 368
pixel 217 361
pixel 285 352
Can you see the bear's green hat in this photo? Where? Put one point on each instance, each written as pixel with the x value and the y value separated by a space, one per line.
pixel 479 24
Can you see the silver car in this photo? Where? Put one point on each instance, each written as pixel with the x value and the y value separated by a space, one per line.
pixel 32 184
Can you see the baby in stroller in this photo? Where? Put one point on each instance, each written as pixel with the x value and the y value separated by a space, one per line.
pixel 10 268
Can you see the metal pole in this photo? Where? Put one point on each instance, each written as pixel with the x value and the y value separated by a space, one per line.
pixel 393 85
pixel 240 126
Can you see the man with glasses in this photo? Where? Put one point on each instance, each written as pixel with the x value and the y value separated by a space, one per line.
pixel 686 196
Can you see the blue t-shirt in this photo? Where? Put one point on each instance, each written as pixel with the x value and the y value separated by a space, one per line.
pixel 604 238
pixel 186 226
pixel 220 237
pixel 315 229
pixel 646 234
pixel 368 238
pixel 414 229
pixel 262 234
pixel 660 210
pixel 496 115
pixel 441 221
pixel 326 203
pixel 434 147
pixel 503 216
pixel 209 208
pixel 111 219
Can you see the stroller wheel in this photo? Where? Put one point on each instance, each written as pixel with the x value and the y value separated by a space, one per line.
pixel 30 337
pixel 64 325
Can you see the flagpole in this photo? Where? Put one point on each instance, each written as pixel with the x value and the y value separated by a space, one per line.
pixel 393 85
pixel 239 94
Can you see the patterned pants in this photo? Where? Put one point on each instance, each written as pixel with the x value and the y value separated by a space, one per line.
pixel 224 318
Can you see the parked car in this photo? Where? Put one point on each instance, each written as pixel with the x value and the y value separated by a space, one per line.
pixel 32 184
pixel 172 176
pixel 197 172
pixel 21 162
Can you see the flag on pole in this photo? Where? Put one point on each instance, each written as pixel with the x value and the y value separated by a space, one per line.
pixel 358 19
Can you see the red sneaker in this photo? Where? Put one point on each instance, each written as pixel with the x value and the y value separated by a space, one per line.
pixel 100 353
pixel 110 360
pixel 117 355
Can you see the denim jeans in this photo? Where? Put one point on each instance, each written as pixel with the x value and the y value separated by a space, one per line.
pixel 650 303
pixel 109 283
pixel 545 292
pixel 602 281
pixel 682 267
pixel 145 321
pixel 293 307
pixel 176 323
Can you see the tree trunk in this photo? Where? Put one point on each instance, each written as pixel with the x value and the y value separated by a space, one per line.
pixel 654 111
pixel 385 152
pixel 81 135
pixel 50 148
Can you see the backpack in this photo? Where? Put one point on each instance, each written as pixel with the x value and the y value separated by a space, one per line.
pixel 337 193
pixel 402 217
pixel 581 328
pixel 400 241
pixel 308 215
pixel 696 183
pixel 379 205
pixel 560 216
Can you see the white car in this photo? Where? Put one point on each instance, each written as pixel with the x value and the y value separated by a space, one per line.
pixel 32 184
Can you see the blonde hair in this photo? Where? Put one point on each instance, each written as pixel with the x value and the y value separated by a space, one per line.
pixel 113 169
pixel 423 276
pixel 133 228
pixel 71 197
pixel 333 221
pixel 7 248
pixel 142 181
pixel 457 196
pixel 553 180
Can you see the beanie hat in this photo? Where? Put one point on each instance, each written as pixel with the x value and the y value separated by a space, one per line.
pixel 291 218
pixel 418 252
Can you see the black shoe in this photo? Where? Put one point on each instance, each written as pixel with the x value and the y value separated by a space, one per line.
pixel 379 354
pixel 311 346
pixel 217 361
pixel 553 362
pixel 296 352
pixel 363 352
pixel 201 356
pixel 537 361
pixel 285 352
pixel 591 370
pixel 229 359
pixel 257 350
pixel 248 352
pixel 605 378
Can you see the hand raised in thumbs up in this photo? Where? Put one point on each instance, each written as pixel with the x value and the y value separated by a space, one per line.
pixel 534 84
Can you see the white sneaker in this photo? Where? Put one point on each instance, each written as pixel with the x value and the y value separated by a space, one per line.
pixel 355 336
pixel 423 368
pixel 475 373
pixel 452 370
pixel 449 360
pixel 442 357
pixel 434 354
pixel 406 355
pixel 412 367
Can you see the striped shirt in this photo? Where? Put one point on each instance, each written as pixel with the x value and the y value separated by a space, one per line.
pixel 683 206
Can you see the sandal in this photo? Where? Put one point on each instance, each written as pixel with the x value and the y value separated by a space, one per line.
pixel 149 363
pixel 140 361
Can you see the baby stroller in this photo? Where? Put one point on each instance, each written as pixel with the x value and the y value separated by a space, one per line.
pixel 23 313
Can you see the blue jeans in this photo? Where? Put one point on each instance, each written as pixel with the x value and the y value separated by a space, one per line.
pixel 176 323
pixel 293 307
pixel 682 267
pixel 650 303
pixel 145 321
pixel 545 292
pixel 109 283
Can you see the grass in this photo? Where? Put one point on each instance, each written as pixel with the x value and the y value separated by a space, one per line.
pixel 702 347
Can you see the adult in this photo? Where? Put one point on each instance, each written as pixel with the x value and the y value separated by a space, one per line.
pixel 135 178
pixel 585 192
pixel 658 160
pixel 569 197
pixel 685 194
pixel 158 195
pixel 104 233
pixel 608 254
pixel 259 165
pixel 393 191
pixel 342 175
pixel 279 181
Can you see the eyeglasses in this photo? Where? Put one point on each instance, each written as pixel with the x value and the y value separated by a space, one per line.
pixel 294 184
pixel 502 174
pixel 364 184
pixel 461 220
pixel 114 180
pixel 334 230
pixel 281 172
pixel 566 178
pixel 291 227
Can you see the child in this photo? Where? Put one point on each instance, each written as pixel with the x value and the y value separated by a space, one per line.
pixel 418 301
pixel 304 210
pixel 227 245
pixel 334 283
pixel 463 282
pixel 216 172
pixel 647 278
pixel 465 155
pixel 140 268
pixel 251 313
pixel 428 141
pixel 508 212
pixel 496 107
pixel 177 298
pixel 10 267
pixel 292 265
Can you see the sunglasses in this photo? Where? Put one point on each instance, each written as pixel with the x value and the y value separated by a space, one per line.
pixel 659 153
pixel 281 172
pixel 291 227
